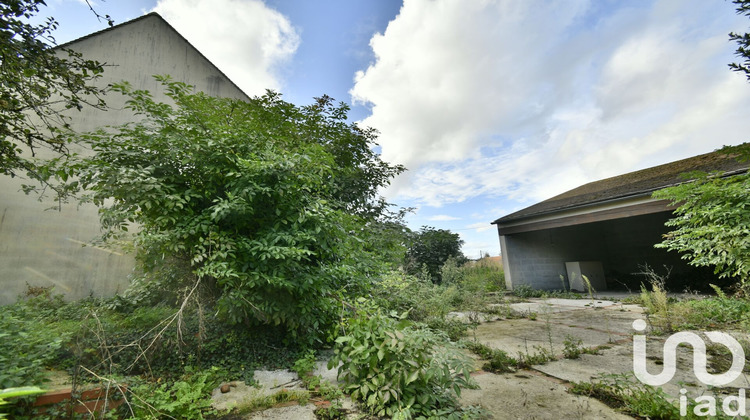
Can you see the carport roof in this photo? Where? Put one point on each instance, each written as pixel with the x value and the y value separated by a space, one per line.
pixel 638 183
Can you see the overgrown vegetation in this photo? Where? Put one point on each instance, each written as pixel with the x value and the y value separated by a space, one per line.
pixel 171 355
pixel 168 368
pixel 37 86
pixel 468 288
pixel 639 400
pixel 188 397
pixel 712 218
pixel 12 393
pixel 400 370
pixel 666 314
pixel 429 249
pixel 498 361
pixel 261 235
pixel 258 226
pixel 574 348
pixel 269 211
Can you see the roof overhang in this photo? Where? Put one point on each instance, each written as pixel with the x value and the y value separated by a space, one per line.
pixel 607 210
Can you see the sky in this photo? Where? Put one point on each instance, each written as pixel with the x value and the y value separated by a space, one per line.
pixel 492 105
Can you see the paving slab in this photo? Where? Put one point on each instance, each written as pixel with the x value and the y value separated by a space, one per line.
pixel 297 412
pixel 601 326
pixel 608 327
pixel 268 382
pixel 525 395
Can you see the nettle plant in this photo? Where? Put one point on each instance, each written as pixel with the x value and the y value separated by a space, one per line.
pixel 400 370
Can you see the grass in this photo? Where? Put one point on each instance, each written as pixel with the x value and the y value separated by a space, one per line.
pixel 631 397
pixel 666 315
pixel 267 401
pixel 498 361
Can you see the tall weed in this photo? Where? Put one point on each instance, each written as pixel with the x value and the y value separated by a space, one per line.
pixel 399 370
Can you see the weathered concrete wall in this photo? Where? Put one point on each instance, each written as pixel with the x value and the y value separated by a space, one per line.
pixel 45 248
pixel 538 258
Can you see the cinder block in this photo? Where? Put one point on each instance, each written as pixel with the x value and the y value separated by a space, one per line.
pixel 593 271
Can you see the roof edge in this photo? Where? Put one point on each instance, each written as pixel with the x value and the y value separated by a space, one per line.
pixel 607 200
pixel 143 17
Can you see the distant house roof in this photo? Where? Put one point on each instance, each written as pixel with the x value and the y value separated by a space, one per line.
pixel 633 184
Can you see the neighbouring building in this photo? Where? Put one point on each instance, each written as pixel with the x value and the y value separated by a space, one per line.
pixel 605 229
pixel 41 247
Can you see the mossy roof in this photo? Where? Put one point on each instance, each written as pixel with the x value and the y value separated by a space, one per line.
pixel 638 183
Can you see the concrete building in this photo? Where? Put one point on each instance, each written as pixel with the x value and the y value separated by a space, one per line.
pixel 605 229
pixel 41 247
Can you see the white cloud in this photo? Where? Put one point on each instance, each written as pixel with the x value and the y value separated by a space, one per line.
pixel 442 218
pixel 528 99
pixel 480 227
pixel 246 39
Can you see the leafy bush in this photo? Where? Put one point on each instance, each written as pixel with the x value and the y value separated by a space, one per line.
pixel 27 345
pixel 397 369
pixel 429 250
pixel 711 222
pixel 305 365
pixel 24 352
pixel 268 205
pixel 400 292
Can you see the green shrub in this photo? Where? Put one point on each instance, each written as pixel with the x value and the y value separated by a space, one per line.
pixel 453 328
pixel 451 272
pixel 483 276
pixel 27 346
pixel 305 365
pixel 658 308
pixel 400 292
pixel 24 353
pixel 399 370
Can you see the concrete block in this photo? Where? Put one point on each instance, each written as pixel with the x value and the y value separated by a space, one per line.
pixel 593 271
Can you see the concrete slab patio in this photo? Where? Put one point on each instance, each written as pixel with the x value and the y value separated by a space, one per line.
pixel 541 392
pixel 606 325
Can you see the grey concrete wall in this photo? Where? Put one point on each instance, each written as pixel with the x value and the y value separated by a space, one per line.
pixel 538 258
pixel 46 248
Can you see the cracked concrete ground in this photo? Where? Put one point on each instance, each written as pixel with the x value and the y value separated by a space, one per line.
pixel 541 391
